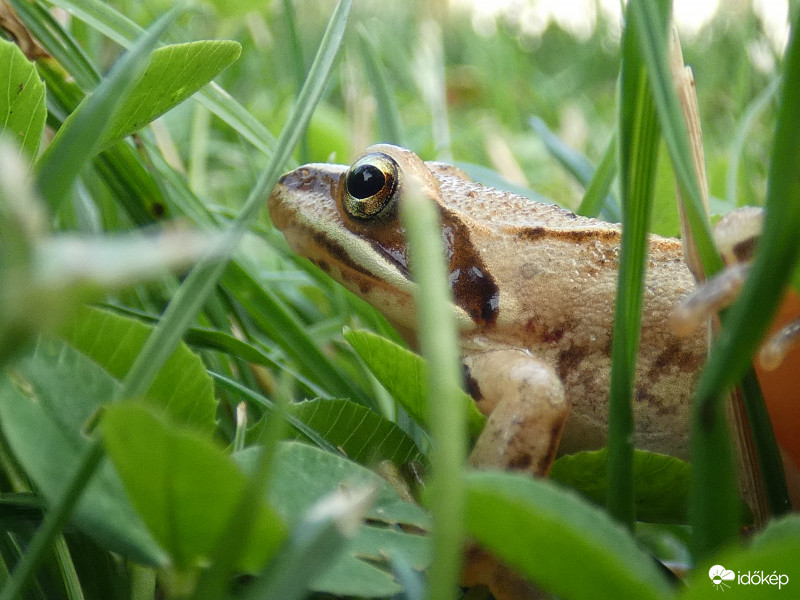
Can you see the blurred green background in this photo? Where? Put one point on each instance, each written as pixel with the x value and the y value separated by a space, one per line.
pixel 503 85
pixel 504 62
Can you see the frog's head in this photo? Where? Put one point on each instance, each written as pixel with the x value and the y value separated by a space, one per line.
pixel 346 221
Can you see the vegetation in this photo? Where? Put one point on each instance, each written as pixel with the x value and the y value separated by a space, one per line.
pixel 187 410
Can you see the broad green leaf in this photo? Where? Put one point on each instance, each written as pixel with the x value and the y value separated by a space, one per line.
pixel 767 569
pixel 779 530
pixel 202 280
pixel 364 435
pixel 661 482
pixel 404 374
pixel 173 74
pixel 183 486
pixel 182 387
pixel 80 135
pixel 563 544
pixel 46 401
pixel 122 30
pixel 304 474
pixel 22 108
pixel 311 549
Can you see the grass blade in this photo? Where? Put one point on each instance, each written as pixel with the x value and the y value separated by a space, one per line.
pixel 298 65
pixel 577 165
pixel 122 30
pixel 650 19
pixel 201 281
pixel 390 129
pixel 769 457
pixel 59 514
pixel 431 81
pixel 712 454
pixel 275 319
pixel 754 109
pixel 296 424
pixel 77 141
pixel 711 449
pixel 573 161
pixel 57 41
pixel 747 320
pixel 597 198
pixel 189 299
pixel 639 139
pixel 447 418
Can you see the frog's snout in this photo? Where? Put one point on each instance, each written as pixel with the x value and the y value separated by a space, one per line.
pixel 277 206
pixel 306 194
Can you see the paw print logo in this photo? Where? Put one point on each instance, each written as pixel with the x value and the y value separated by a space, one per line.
pixel 719 575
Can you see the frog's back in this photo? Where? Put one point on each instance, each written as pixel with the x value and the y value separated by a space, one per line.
pixel 509 211
pixel 557 276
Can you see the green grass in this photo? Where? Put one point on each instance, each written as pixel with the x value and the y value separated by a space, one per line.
pixel 150 449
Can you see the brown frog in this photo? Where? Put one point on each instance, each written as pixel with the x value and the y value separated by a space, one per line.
pixel 533 288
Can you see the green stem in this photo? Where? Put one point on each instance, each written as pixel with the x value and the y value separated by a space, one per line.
pixel 437 336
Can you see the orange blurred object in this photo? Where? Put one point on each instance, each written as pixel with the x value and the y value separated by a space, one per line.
pixel 781 387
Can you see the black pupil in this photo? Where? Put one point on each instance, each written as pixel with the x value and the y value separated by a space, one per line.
pixel 365 181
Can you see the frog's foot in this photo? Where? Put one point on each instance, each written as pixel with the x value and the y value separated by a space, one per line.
pixel 527 410
pixel 484 569
pixel 736 236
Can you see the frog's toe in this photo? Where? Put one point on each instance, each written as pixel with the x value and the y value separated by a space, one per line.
pixel 719 292
pixel 708 298
pixel 778 345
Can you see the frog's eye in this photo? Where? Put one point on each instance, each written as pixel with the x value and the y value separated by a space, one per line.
pixel 370 185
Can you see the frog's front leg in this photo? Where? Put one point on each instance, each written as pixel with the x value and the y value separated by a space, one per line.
pixel 527 410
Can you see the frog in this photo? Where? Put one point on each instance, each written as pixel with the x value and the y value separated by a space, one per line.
pixel 533 288
pixel 533 293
